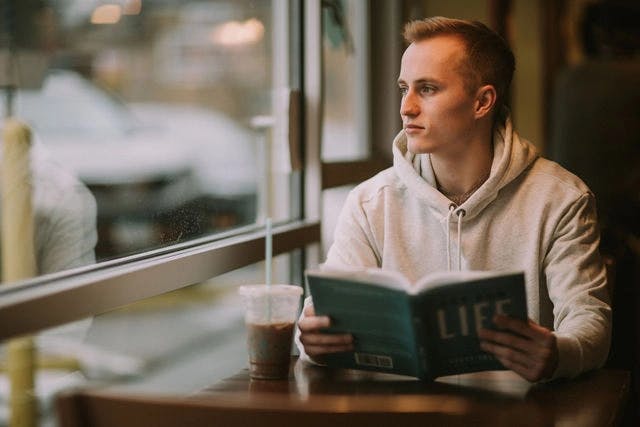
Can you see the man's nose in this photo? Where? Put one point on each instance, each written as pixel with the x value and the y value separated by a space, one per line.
pixel 408 105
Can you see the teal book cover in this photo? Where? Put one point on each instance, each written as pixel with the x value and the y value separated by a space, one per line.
pixel 425 330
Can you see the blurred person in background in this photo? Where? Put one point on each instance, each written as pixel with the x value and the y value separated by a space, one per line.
pixel 64 215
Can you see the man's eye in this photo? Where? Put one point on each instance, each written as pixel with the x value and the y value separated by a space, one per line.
pixel 427 89
pixel 403 90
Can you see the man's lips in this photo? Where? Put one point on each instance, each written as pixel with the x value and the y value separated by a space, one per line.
pixel 413 128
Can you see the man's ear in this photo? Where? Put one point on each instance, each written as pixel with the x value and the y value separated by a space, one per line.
pixel 485 100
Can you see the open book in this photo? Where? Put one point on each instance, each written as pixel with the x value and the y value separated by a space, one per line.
pixel 426 329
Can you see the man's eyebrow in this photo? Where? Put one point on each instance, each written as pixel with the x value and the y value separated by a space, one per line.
pixel 419 81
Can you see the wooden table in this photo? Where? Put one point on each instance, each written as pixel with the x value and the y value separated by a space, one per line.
pixel 319 397
pixel 316 396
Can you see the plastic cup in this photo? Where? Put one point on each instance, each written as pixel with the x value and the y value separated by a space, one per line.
pixel 270 317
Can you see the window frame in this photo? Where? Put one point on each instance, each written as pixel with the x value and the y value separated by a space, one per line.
pixel 55 302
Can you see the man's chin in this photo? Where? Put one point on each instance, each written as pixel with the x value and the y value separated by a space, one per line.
pixel 417 146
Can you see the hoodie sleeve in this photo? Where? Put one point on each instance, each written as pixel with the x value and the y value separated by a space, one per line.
pixel 577 285
pixel 353 243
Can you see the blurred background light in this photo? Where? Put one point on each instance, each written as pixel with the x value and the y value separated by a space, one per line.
pixel 235 33
pixel 132 7
pixel 106 14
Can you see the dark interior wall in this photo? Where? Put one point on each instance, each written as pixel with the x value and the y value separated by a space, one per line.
pixel 594 129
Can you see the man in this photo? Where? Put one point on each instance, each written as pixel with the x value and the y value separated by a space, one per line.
pixel 461 170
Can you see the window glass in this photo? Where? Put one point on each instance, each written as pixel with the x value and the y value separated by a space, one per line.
pixel 345 128
pixel 156 119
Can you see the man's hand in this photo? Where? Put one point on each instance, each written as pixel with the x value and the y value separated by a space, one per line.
pixel 317 343
pixel 526 348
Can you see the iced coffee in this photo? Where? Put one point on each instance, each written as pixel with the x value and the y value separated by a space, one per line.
pixel 269 349
pixel 271 313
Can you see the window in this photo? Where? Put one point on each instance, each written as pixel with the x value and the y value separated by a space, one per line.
pixel 107 75
pixel 165 98
pixel 360 119
pixel 173 116
pixel 345 54
pixel 157 68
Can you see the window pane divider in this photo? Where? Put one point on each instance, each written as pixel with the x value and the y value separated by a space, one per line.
pixel 336 174
pixel 32 308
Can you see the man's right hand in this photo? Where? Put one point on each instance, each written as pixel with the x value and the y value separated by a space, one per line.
pixel 318 343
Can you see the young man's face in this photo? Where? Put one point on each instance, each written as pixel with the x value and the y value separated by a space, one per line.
pixel 437 109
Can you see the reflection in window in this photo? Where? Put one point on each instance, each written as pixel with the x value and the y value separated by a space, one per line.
pixel 345 130
pixel 152 105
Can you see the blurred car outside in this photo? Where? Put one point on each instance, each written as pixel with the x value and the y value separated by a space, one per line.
pixel 160 173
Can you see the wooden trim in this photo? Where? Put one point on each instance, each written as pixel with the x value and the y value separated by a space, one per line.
pixel 312 107
pixel 336 174
pixel 56 302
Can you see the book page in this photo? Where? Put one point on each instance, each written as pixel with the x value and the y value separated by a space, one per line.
pixel 443 278
pixel 373 276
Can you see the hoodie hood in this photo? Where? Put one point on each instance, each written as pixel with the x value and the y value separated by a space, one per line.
pixel 511 156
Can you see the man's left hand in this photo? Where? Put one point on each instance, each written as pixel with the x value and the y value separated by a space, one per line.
pixel 526 348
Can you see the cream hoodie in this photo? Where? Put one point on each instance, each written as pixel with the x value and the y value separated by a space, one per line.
pixel 530 215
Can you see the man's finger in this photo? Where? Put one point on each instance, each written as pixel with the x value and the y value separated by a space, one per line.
pixel 309 310
pixel 520 327
pixel 313 323
pixel 508 353
pixel 508 340
pixel 523 371
pixel 326 339
pixel 319 350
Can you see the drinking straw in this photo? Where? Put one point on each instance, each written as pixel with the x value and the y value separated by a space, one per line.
pixel 268 251
pixel 267 259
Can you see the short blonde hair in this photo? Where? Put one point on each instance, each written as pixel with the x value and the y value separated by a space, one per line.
pixel 489 57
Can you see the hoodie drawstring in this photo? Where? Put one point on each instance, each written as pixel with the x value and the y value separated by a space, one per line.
pixel 452 209
pixel 460 213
